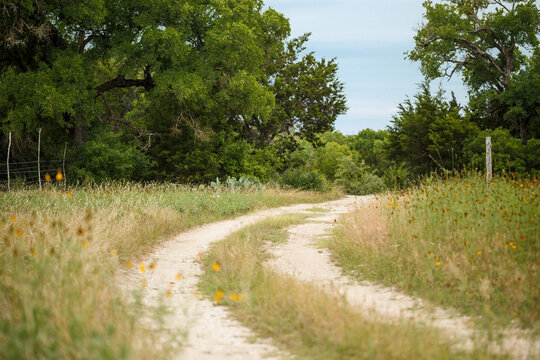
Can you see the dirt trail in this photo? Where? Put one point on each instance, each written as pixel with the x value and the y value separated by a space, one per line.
pixel 211 331
pixel 302 258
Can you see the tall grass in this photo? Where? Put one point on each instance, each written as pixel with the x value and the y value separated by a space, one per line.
pixel 301 317
pixel 59 251
pixel 459 242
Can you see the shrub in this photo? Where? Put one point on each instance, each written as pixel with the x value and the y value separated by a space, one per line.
pixel 304 179
pixel 354 178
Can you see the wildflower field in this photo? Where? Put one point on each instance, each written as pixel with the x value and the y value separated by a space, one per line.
pixel 459 242
pixel 60 249
pixel 303 318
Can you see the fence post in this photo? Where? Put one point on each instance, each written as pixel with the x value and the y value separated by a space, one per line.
pixel 489 167
pixel 64 166
pixel 38 155
pixel 8 151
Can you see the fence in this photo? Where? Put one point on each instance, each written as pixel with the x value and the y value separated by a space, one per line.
pixel 32 172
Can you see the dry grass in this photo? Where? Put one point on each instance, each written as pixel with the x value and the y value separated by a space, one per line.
pixel 302 318
pixel 59 251
pixel 458 243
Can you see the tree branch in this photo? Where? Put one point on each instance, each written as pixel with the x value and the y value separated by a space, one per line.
pixel 121 82
pixel 476 50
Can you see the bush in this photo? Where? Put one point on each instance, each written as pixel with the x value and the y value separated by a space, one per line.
pixel 354 178
pixel 304 179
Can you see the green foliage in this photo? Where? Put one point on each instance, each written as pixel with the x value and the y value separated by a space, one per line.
pixel 488 43
pixel 508 153
pixel 106 158
pixel 355 179
pixel 202 89
pixel 304 179
pixel 429 133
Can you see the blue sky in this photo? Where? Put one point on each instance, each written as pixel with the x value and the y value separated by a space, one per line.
pixel 368 38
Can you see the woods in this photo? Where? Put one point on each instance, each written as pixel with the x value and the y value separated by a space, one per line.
pixel 192 91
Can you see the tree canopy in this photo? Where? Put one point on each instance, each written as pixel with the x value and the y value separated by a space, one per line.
pixel 187 84
pixel 490 43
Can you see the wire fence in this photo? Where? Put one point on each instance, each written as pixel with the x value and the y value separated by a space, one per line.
pixel 32 172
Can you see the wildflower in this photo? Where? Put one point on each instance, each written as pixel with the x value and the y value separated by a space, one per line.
pixel 19 232
pixel 216 267
pixel 478 252
pixel 34 252
pixel 429 253
pixel 142 268
pixel 152 266
pixel 59 176
pixel 520 185
pixel 144 283
pixel 236 297
pixel 129 264
pixel 397 206
pixel 114 252
pixel 218 296
pixel 438 263
pixel 84 244
pixel 47 177
pixel 13 219
pixel 436 237
pixel 178 277
pixel 69 194
pixel 168 293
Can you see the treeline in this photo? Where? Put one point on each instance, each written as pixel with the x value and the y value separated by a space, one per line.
pixel 190 91
pixel 160 90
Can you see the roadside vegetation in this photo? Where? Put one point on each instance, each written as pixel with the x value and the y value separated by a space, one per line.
pixel 59 251
pixel 457 242
pixel 300 317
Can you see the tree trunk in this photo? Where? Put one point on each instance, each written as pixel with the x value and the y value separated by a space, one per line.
pixel 523 130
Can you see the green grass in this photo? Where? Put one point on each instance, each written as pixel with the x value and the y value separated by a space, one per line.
pixel 59 252
pixel 458 243
pixel 302 318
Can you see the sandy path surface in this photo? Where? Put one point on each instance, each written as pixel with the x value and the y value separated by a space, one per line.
pixel 302 258
pixel 211 332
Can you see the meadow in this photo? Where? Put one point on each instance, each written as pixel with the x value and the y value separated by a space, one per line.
pixel 458 242
pixel 60 251
pixel 302 318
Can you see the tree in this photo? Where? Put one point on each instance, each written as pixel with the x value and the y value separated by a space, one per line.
pixel 429 132
pixel 487 41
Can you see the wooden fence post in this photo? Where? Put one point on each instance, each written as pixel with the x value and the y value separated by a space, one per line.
pixel 38 155
pixel 489 166
pixel 8 151
pixel 64 167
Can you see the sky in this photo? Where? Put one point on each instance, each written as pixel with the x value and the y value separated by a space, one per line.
pixel 368 38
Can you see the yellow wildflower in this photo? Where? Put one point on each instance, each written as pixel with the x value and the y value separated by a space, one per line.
pixel 236 297
pixel 114 252
pixel 218 296
pixel 178 277
pixel 168 293
pixel 47 177
pixel 142 268
pixel 13 219
pixel 84 244
pixel 19 232
pixel 152 266
pixel 478 252
pixel 216 267
pixel 69 194
pixel 59 176
pixel 129 264
pixel 144 283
